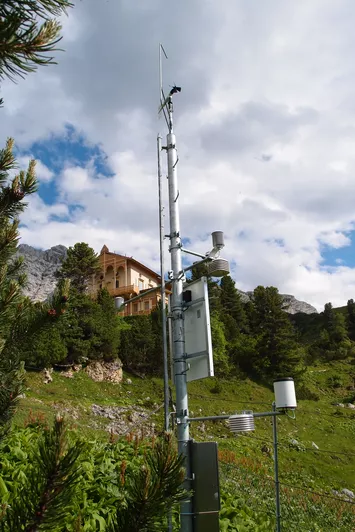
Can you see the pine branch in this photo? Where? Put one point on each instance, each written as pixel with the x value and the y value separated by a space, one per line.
pixel 7 160
pixel 41 8
pixel 30 319
pixel 24 42
pixel 47 496
pixel 12 384
pixel 153 490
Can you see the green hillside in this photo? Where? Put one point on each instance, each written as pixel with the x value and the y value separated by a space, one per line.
pixel 246 465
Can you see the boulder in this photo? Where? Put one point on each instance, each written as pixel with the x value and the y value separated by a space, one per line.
pixel 69 374
pixel 348 493
pixel 105 371
pixel 47 375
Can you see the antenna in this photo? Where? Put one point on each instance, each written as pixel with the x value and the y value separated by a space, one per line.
pixel 161 90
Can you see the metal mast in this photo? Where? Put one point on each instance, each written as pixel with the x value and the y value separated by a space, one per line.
pixel 162 292
pixel 177 314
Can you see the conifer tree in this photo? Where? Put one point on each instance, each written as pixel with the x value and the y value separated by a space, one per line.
pixel 351 319
pixel 80 264
pixel 20 320
pixel 276 351
pixel 334 324
pixel 27 33
pixel 233 310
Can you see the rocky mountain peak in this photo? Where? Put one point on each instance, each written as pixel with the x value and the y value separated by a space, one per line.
pixel 291 305
pixel 40 267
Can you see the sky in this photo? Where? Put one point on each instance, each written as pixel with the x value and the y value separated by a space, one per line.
pixel 265 135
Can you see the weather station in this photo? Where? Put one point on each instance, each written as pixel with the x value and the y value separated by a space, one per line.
pixel 191 350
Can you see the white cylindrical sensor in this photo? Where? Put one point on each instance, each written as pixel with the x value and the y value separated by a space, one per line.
pixel 119 302
pixel 218 239
pixel 285 395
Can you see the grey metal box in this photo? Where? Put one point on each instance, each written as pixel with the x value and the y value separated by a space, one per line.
pixel 205 484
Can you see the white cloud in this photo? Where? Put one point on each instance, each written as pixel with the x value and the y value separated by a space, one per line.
pixel 39 214
pixel 75 181
pixel 264 126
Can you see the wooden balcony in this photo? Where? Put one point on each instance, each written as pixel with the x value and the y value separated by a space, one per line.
pixel 124 290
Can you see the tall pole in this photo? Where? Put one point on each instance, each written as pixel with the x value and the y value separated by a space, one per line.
pixel 276 468
pixel 177 316
pixel 162 292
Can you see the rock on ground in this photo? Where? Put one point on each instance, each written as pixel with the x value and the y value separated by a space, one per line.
pixel 105 371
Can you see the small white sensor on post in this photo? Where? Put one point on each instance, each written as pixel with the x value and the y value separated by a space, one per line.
pixel 285 394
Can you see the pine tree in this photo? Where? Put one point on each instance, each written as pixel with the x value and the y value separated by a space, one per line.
pixel 46 349
pixel 25 40
pixel 137 344
pixel 90 328
pixel 220 346
pixel 81 263
pixel 334 324
pixel 24 43
pixel 20 320
pixel 332 342
pixel 351 319
pixel 109 326
pixel 276 351
pixel 232 306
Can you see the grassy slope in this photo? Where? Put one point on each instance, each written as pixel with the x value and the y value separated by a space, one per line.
pixel 331 428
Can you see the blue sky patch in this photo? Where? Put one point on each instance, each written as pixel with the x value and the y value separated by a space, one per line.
pixel 344 256
pixel 57 152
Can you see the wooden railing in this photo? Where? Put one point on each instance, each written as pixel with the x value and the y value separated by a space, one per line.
pixel 127 312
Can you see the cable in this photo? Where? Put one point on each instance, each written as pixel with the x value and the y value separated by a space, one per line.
pixel 317 493
pixel 323 414
pixel 285 444
pixel 293 486
pixel 228 400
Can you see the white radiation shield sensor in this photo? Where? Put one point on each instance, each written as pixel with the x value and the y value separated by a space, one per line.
pixel 285 395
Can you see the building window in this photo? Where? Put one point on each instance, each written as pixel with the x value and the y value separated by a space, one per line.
pixel 117 283
pixel 135 307
pixel 146 305
pixel 141 284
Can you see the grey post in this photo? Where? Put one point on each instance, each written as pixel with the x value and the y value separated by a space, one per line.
pixel 177 316
pixel 276 468
pixel 162 292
